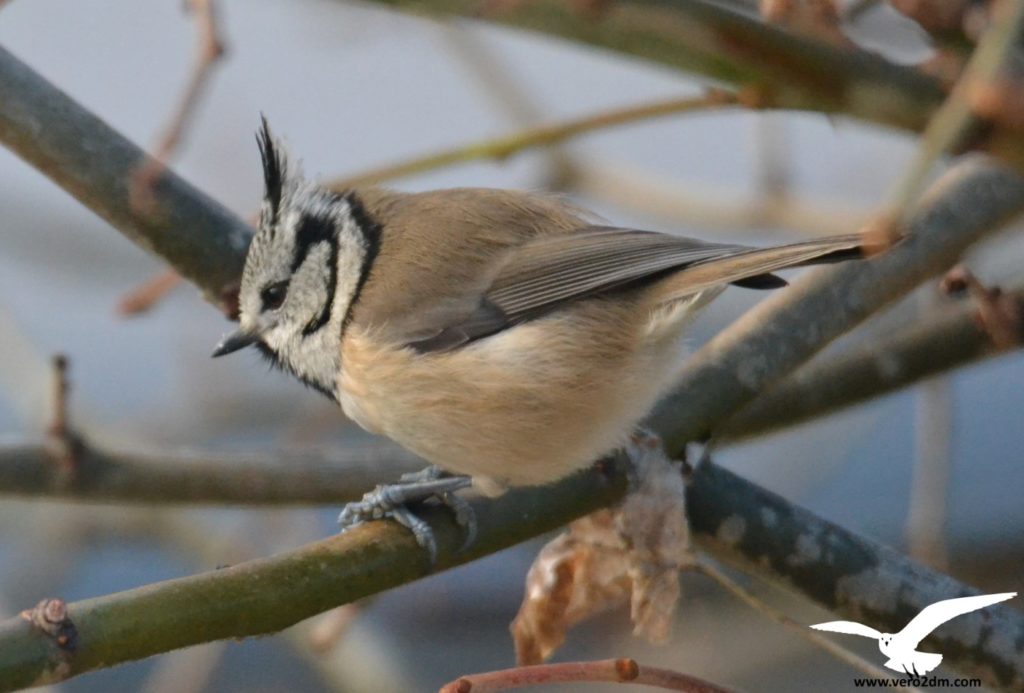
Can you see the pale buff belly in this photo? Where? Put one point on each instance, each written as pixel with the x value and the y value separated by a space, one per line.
pixel 520 408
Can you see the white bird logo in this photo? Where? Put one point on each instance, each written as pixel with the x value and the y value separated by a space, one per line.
pixel 901 648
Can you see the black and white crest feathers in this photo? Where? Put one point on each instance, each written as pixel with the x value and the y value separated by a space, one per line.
pixel 274 167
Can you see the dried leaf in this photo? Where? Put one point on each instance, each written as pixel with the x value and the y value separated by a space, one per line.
pixel 631 553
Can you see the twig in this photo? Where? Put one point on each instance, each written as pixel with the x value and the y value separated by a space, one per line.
pixel 941 342
pixel 143 297
pixel 999 314
pixel 63 446
pixel 209 49
pixel 687 203
pixel 602 671
pixel 953 122
pixel 500 84
pixel 707 568
pixel 503 147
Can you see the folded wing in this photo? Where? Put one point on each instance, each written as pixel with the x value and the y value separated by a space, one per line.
pixel 551 271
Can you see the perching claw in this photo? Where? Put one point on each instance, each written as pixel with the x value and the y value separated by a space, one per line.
pixel 393 500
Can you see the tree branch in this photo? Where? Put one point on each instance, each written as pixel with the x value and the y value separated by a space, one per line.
pixel 92 162
pixel 972 200
pixel 945 341
pixel 789 71
pixel 735 520
pixel 268 594
pixel 34 467
pixel 762 533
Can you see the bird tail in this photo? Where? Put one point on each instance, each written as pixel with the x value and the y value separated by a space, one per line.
pixel 753 267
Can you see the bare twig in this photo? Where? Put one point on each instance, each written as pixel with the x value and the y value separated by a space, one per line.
pixel 209 49
pixel 954 121
pixel 503 147
pixel 706 567
pixel 690 204
pixel 1000 315
pixel 143 297
pixel 602 671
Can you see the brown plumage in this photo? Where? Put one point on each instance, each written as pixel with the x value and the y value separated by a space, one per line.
pixel 502 335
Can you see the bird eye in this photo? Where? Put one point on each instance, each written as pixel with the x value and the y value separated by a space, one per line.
pixel 273 295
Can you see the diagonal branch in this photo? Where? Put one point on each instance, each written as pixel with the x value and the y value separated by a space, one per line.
pixel 951 339
pixel 502 148
pixel 781 333
pixel 94 163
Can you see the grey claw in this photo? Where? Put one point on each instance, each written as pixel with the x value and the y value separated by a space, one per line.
pixel 392 501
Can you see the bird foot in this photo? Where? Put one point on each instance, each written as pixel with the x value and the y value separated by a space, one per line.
pixel 393 501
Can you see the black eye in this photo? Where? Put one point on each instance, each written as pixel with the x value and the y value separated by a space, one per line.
pixel 273 295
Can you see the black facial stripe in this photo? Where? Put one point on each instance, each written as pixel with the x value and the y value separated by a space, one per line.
pixel 278 364
pixel 312 230
pixel 332 285
pixel 273 169
pixel 371 236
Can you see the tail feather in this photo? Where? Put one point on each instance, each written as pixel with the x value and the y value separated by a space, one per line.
pixel 753 267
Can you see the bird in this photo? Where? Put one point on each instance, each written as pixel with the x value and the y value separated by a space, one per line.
pixel 901 648
pixel 509 338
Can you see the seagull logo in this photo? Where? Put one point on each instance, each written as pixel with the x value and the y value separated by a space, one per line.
pixel 901 648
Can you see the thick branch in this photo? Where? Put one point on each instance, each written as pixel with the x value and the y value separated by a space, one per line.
pixel 91 161
pixel 949 340
pixel 735 520
pixel 762 533
pixel 781 333
pixel 269 594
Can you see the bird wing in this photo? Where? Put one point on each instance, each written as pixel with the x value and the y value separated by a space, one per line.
pixel 849 627
pixel 933 616
pixel 549 271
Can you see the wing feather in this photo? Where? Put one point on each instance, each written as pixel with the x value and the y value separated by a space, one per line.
pixel 551 270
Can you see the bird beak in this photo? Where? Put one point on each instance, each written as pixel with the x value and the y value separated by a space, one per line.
pixel 239 339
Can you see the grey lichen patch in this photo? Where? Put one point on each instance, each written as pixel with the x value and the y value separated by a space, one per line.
pixel 751 371
pixel 731 531
pixel 806 551
pixel 871 590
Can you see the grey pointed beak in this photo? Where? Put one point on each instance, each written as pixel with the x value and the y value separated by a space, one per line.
pixel 239 339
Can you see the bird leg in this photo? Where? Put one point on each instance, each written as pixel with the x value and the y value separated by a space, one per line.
pixel 393 501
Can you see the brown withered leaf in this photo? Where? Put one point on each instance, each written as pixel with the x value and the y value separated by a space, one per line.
pixel 631 553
